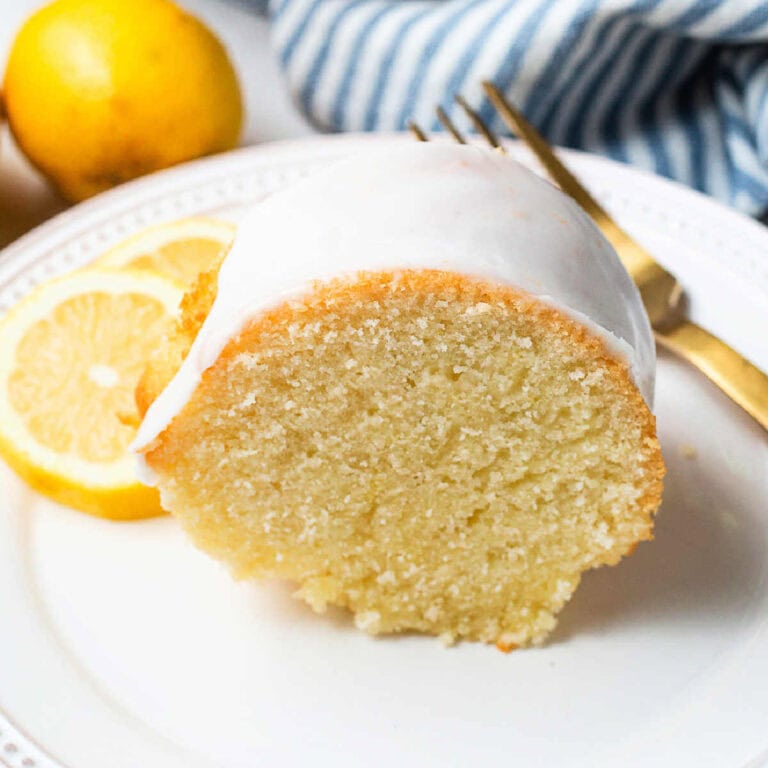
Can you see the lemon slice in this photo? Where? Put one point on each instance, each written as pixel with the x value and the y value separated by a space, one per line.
pixel 71 354
pixel 180 250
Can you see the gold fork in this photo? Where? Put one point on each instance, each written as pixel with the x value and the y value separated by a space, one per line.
pixel 662 294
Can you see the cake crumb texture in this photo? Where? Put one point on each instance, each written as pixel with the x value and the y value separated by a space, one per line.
pixel 434 452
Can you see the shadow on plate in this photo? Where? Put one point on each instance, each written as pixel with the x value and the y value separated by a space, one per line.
pixel 706 564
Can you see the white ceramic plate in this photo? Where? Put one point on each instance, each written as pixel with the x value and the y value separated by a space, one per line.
pixel 123 647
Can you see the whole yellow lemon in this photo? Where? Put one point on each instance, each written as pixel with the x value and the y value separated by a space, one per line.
pixel 101 91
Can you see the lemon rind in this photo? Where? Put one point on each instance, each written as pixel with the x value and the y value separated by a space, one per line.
pixel 117 257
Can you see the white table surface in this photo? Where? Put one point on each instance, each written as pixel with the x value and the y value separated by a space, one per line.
pixel 25 197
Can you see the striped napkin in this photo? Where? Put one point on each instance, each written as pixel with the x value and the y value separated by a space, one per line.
pixel 679 87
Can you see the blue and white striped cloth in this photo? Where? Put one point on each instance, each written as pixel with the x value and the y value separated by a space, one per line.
pixel 679 87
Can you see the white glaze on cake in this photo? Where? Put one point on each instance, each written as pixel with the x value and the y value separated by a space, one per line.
pixel 420 206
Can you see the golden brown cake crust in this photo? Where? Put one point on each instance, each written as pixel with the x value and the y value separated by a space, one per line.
pixel 161 368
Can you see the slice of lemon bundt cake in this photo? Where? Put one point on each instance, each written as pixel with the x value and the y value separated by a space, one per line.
pixel 422 392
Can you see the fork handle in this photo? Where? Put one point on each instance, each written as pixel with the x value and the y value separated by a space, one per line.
pixel 744 383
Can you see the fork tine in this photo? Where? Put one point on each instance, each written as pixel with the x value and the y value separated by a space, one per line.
pixel 448 124
pixel 417 132
pixel 480 124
